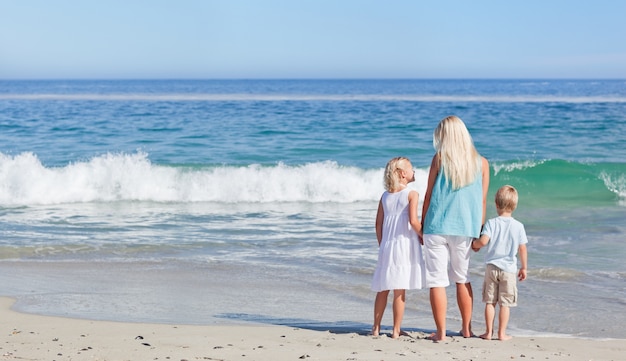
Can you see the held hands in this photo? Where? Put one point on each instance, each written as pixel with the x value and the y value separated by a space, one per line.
pixel 475 247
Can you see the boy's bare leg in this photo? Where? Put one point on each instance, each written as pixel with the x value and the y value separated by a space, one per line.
pixel 490 315
pixel 465 300
pixel 439 306
pixel 379 309
pixel 398 311
pixel 505 311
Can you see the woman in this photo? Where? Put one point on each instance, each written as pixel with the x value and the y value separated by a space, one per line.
pixel 454 210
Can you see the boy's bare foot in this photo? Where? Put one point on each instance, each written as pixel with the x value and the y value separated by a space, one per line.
pixel 467 334
pixel 485 336
pixel 505 337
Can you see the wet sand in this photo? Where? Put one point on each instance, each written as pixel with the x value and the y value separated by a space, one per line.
pixel 35 337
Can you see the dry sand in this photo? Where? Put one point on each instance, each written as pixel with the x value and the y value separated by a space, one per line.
pixel 34 337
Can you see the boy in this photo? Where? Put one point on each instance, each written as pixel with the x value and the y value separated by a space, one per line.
pixel 504 237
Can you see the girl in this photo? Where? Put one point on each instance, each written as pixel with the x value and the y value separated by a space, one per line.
pixel 400 261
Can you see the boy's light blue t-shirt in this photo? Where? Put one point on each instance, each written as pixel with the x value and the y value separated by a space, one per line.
pixel 506 234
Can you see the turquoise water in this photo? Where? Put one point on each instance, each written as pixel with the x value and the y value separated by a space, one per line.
pixel 117 197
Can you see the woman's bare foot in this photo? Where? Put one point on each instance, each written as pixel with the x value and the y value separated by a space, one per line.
pixel 504 337
pixel 434 338
pixel 485 336
pixel 375 331
pixel 402 333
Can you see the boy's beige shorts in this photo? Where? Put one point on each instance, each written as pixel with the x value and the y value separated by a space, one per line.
pixel 499 287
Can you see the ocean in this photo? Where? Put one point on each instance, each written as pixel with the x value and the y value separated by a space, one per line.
pixel 253 201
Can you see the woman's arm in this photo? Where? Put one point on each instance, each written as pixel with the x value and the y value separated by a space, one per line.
pixel 485 171
pixel 432 176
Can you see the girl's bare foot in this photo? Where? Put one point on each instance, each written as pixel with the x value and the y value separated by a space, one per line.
pixel 505 337
pixel 485 336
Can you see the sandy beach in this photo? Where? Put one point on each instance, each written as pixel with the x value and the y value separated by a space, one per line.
pixel 35 337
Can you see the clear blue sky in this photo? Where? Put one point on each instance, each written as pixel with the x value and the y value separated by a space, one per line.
pixel 43 39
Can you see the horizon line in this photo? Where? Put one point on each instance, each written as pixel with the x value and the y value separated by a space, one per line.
pixel 304 78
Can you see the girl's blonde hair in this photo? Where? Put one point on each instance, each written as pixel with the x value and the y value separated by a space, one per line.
pixel 506 198
pixel 392 173
pixel 458 157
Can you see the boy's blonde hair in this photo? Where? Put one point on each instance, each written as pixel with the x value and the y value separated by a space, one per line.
pixel 392 173
pixel 506 198
pixel 459 159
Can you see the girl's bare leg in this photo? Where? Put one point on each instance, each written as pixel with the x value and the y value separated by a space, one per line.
pixel 379 309
pixel 398 311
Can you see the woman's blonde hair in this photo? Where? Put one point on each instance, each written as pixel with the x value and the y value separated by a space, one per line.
pixel 392 173
pixel 458 157
pixel 506 198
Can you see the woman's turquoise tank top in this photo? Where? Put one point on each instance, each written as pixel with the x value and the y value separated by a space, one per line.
pixel 455 212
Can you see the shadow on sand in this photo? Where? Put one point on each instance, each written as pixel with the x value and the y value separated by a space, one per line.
pixel 338 327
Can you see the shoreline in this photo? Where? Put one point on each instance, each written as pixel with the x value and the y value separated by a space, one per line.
pixel 37 337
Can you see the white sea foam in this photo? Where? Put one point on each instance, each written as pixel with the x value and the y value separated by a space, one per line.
pixel 616 184
pixel 235 97
pixel 555 274
pixel 521 165
pixel 24 180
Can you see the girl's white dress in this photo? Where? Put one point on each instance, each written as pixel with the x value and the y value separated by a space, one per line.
pixel 400 262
